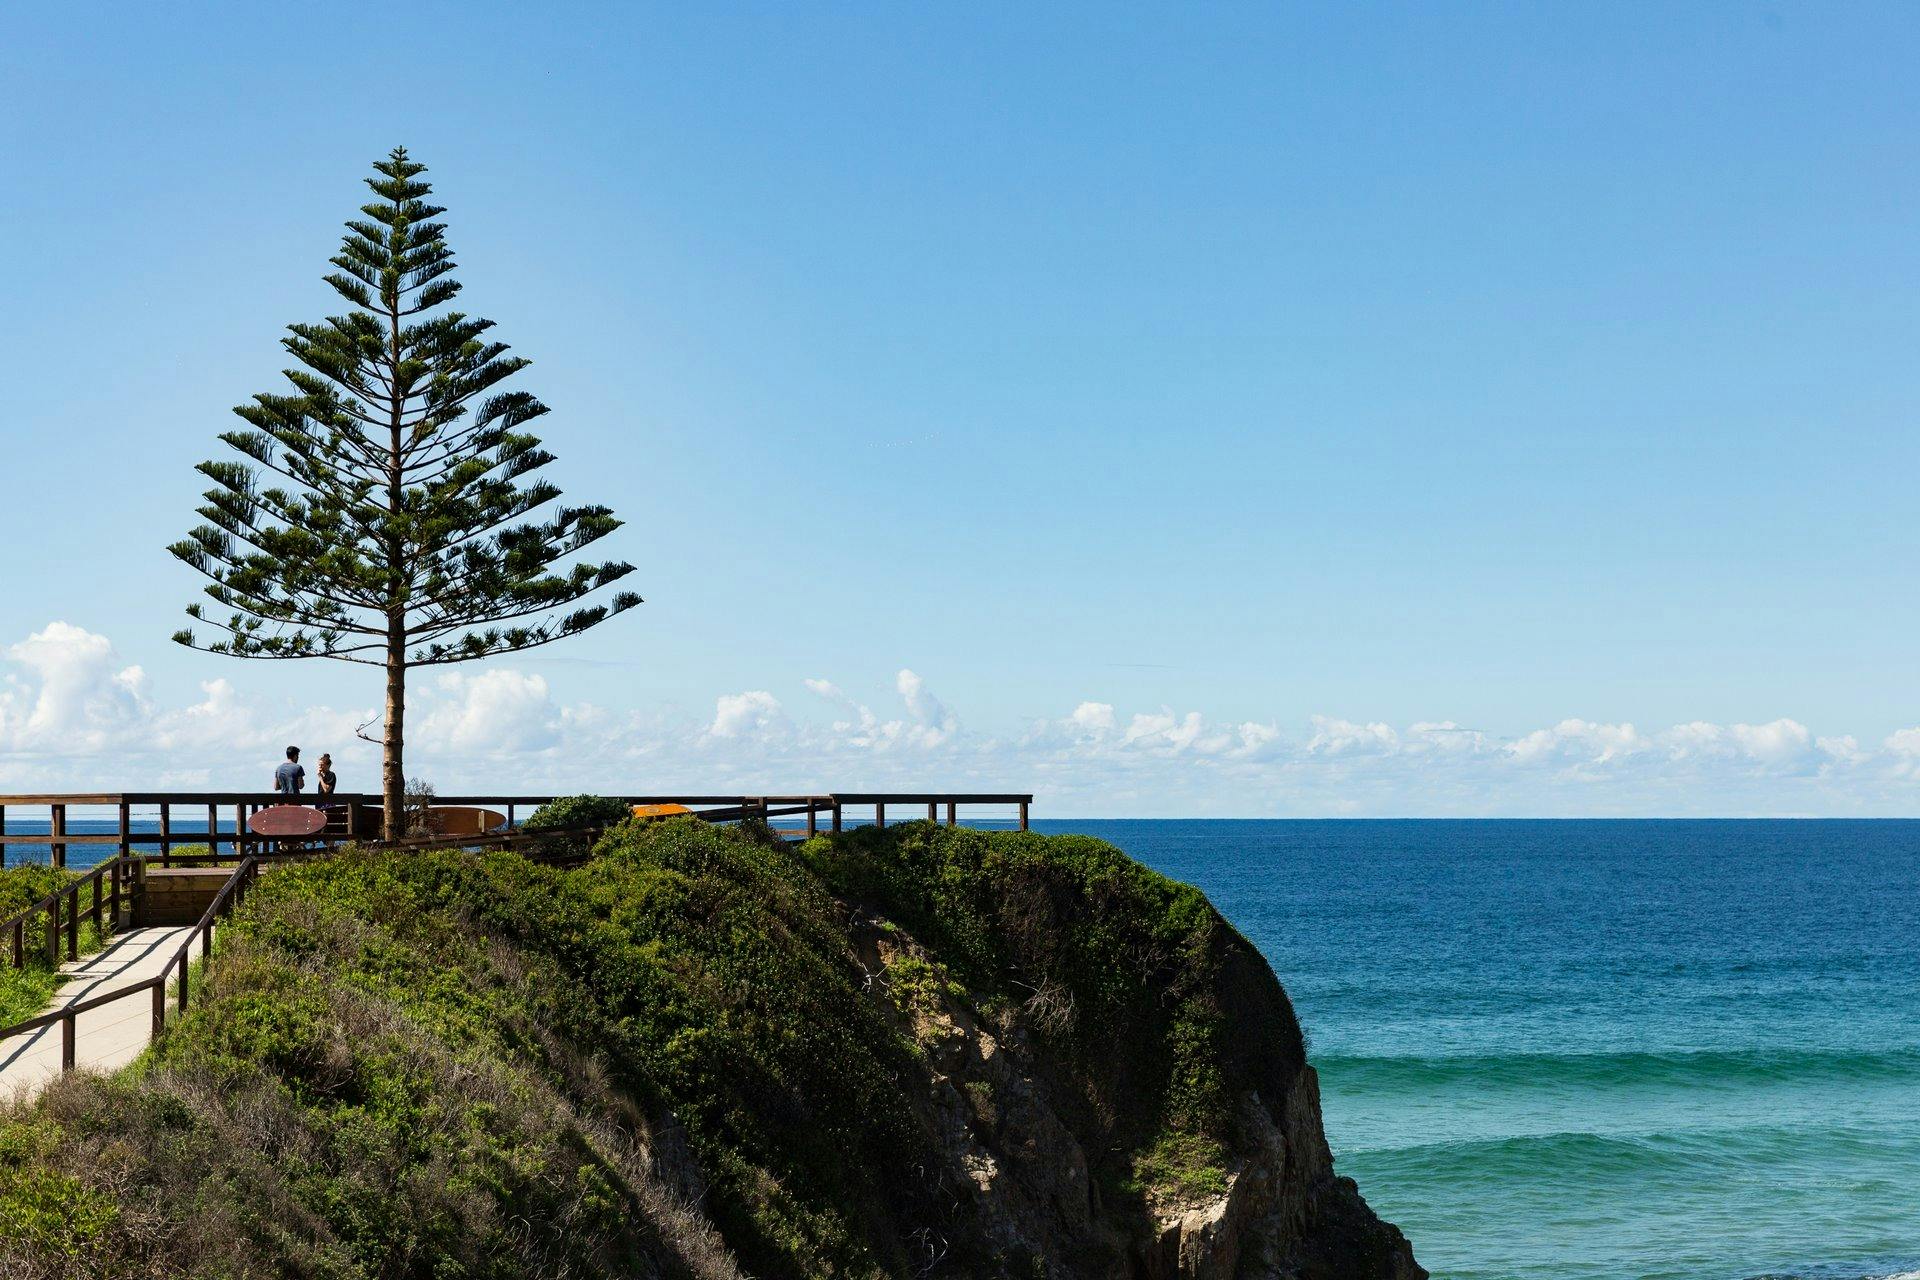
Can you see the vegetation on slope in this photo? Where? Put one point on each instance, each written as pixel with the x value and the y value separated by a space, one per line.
pixel 25 991
pixel 472 1065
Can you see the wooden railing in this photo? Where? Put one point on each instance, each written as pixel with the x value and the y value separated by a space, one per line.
pixel 180 962
pixel 163 835
pixel 117 873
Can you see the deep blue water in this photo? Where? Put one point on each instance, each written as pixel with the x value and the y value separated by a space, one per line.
pixel 1599 1048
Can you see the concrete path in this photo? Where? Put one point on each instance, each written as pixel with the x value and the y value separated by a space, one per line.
pixel 108 1037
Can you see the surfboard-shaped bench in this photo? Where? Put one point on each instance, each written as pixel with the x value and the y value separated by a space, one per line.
pixel 307 822
pixel 288 822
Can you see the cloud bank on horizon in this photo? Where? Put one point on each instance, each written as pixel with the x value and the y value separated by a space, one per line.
pixel 74 715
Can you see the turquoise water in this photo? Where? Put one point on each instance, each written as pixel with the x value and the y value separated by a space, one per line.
pixel 1599 1049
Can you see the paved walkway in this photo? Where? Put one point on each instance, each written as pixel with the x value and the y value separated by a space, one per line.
pixel 108 1037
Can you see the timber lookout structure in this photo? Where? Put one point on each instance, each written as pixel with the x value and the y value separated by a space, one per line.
pixel 158 822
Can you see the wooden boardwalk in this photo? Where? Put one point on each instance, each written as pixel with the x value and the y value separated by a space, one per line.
pixel 108 1037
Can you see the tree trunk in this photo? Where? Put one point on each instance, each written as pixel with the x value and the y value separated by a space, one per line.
pixel 393 772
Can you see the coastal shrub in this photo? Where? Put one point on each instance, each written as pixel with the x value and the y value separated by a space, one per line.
pixel 369 1085
pixel 480 1060
pixel 24 992
pixel 26 883
pixel 578 811
pixel 446 1063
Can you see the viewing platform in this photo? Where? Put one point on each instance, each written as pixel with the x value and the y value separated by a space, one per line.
pixel 158 823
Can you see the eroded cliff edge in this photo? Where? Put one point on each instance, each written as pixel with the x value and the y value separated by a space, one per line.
pixel 917 1052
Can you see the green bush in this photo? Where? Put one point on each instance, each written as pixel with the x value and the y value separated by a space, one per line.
pixel 25 992
pixel 573 812
pixel 26 883
pixel 455 1064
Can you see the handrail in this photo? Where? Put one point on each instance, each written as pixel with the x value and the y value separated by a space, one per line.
pixel 235 889
pixel 227 835
pixel 230 896
pixel 17 924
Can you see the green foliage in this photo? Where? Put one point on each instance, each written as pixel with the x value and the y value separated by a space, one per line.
pixel 920 987
pixel 26 883
pixel 43 1210
pixel 24 992
pixel 570 812
pixel 447 1063
pixel 1184 1167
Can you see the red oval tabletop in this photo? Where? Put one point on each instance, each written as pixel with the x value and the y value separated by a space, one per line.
pixel 288 821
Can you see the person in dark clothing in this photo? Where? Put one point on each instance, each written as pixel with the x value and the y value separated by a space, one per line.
pixel 289 778
pixel 324 781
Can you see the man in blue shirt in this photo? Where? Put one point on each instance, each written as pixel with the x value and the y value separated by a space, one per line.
pixel 290 777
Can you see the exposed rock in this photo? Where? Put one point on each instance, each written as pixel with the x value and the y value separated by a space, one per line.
pixel 1283 1213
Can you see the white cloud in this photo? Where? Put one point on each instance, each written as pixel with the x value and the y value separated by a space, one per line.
pixel 739 714
pixel 1332 736
pixel 1095 719
pixel 490 712
pixel 1844 748
pixel 1904 742
pixel 76 698
pixel 1778 743
pixel 75 715
pixel 933 723
pixel 1579 743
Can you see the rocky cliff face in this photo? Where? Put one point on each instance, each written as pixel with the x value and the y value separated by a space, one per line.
pixel 1278 1209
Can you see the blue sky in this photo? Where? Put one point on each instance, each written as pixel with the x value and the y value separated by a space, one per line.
pixel 1488 366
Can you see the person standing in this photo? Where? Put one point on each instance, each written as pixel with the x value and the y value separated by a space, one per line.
pixel 289 778
pixel 324 781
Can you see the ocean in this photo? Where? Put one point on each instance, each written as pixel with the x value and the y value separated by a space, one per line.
pixel 1591 1048
pixel 1599 1048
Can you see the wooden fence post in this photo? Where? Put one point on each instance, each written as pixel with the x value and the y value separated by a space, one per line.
pixel 931 808
pixel 56 830
pixel 3 835
pixel 836 815
pixel 879 813
pixel 159 1005
pixel 166 828
pixel 126 828
pixel 66 1042
pixel 1023 815
pixel 813 819
pixel 951 821
pixel 73 922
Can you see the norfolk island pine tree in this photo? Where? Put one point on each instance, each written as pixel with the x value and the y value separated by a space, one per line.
pixel 396 524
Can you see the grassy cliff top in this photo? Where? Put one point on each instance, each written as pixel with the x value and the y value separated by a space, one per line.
pixel 670 1060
